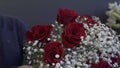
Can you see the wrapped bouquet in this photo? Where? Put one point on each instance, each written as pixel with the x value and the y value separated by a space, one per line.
pixel 73 41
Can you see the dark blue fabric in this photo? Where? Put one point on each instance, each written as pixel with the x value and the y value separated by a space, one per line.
pixel 12 32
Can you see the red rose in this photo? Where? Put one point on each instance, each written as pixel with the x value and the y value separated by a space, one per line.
pixel 39 32
pixel 29 36
pixel 53 52
pixel 88 19
pixel 72 34
pixel 101 64
pixel 66 16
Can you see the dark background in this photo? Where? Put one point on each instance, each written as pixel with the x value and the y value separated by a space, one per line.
pixel 34 12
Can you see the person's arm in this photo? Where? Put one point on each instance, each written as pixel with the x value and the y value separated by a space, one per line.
pixel 21 29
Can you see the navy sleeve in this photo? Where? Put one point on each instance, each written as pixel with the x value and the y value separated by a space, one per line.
pixel 12 35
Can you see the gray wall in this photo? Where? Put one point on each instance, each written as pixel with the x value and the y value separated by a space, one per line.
pixel 34 12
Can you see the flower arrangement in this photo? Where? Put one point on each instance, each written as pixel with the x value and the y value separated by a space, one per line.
pixel 73 41
pixel 114 16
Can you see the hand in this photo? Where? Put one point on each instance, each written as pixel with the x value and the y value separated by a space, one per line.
pixel 25 66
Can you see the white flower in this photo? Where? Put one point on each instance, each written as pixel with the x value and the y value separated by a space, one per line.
pixel 35 43
pixel 57 56
pixel 35 50
pixel 42 50
pixel 29 52
pixel 28 48
pixel 48 39
pixel 57 65
pixel 29 62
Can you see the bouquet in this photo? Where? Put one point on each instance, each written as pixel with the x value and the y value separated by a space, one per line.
pixel 73 41
pixel 114 16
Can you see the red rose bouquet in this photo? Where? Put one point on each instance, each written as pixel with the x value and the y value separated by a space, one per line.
pixel 73 41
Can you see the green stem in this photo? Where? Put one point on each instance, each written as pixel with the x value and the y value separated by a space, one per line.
pixel 113 25
pixel 117 15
